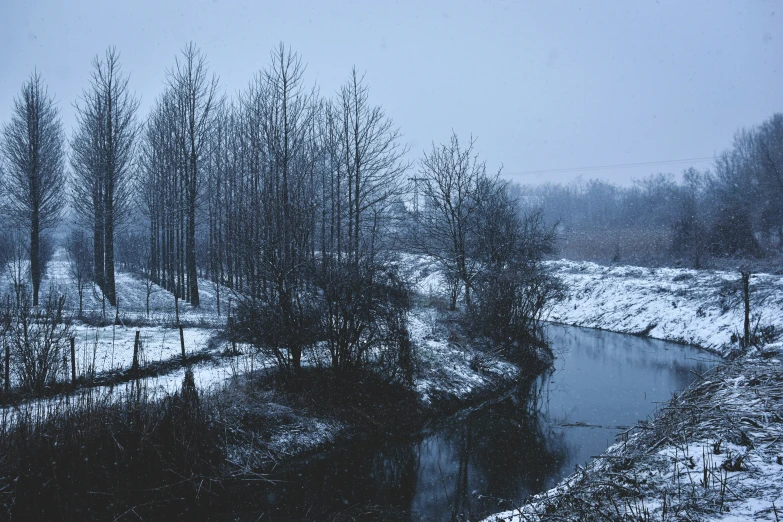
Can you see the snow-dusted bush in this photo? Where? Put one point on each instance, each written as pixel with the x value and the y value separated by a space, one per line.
pixel 38 336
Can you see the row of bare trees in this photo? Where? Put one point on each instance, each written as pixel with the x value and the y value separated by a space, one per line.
pixel 172 172
pixel 289 197
pixel 103 149
pixel 291 201
pixel 102 156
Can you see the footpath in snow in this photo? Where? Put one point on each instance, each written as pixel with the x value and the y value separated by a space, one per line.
pixel 715 452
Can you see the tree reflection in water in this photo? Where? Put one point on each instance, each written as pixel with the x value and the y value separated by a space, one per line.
pixel 457 470
pixel 519 445
pixel 500 451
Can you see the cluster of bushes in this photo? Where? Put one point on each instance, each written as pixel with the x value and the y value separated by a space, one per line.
pixel 489 249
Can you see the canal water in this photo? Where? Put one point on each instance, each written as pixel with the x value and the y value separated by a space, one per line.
pixel 474 463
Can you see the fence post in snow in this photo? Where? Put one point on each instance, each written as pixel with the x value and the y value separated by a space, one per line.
pixel 136 353
pixel 73 360
pixel 182 341
pixel 746 295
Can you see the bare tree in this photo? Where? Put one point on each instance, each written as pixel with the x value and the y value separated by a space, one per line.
pixel 769 141
pixel 38 337
pixel 364 297
pixel 454 185
pixel 690 232
pixel 195 95
pixel 732 226
pixel 33 148
pixel 512 287
pixel 281 207
pixel 104 149
pixel 18 268
pixel 78 249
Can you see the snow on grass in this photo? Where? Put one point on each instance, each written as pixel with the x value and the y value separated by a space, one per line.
pixel 714 453
pixel 700 307
pixel 110 348
pixel 132 295
pixel 447 369
pixel 209 375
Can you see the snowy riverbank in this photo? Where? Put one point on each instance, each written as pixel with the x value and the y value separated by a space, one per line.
pixel 699 307
pixel 715 452
pixel 448 371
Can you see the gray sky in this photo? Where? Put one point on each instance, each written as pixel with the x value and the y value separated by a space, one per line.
pixel 543 85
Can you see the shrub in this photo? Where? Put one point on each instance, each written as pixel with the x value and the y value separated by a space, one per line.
pixel 38 337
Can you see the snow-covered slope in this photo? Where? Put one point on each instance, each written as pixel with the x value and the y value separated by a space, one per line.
pixel 700 307
pixel 714 453
pixel 132 293
pixel 722 462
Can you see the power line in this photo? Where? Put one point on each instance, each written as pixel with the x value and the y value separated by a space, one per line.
pixel 601 167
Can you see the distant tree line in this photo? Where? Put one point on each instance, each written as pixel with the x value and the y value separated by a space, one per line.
pixel 733 210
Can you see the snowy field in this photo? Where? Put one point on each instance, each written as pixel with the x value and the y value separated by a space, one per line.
pixel 132 292
pixel 109 349
pixel 447 369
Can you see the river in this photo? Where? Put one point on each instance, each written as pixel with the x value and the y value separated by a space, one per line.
pixel 473 463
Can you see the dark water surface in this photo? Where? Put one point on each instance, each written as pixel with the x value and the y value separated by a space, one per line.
pixel 522 444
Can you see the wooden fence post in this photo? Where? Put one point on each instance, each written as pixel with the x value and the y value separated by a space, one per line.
pixel 136 353
pixel 182 341
pixel 73 360
pixel 746 296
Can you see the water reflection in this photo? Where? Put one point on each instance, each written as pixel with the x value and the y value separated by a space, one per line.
pixel 501 451
pixel 520 445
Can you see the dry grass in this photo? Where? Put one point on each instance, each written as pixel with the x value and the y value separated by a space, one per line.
pixel 714 449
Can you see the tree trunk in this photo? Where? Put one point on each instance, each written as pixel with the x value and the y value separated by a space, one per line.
pixel 35 256
pixel 109 288
pixel 191 244
pixel 746 295
pixel 98 250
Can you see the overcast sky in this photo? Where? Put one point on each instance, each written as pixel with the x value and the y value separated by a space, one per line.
pixel 543 85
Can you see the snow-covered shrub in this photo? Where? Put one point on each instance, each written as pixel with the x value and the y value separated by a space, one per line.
pixel 38 336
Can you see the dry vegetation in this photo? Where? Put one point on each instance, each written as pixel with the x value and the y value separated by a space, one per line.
pixel 715 449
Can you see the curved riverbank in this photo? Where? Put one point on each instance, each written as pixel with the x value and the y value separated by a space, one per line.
pixel 715 451
pixel 698 307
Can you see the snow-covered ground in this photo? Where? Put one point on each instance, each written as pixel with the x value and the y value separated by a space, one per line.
pixel 713 453
pixel 447 369
pixel 716 451
pixel 699 307
pixel 132 292
pixel 104 349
